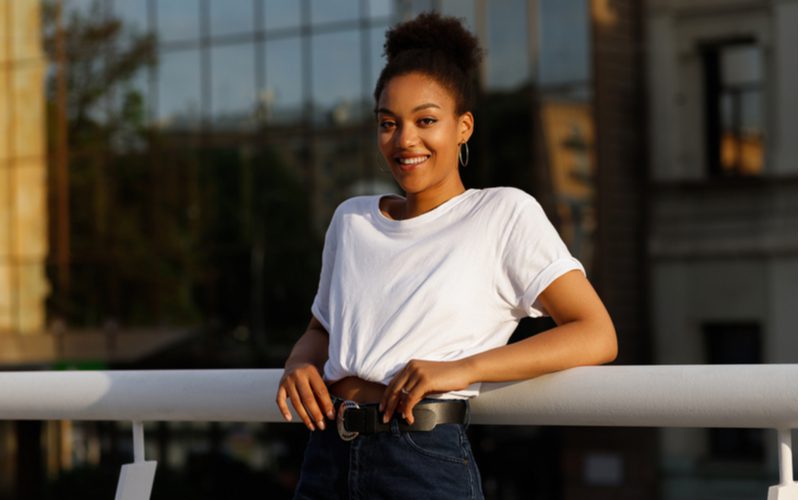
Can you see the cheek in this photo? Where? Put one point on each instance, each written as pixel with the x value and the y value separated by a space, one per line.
pixel 384 140
pixel 443 140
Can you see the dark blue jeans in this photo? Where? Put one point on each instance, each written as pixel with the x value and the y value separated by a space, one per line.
pixel 394 465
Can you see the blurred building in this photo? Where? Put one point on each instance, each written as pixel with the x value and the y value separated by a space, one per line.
pixel 722 205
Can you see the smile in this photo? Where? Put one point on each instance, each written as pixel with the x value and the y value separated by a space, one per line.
pixel 411 162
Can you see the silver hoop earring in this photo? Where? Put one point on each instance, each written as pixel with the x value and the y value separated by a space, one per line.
pixel 463 160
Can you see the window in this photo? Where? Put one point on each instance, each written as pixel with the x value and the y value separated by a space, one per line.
pixel 507 58
pixel 233 94
pixel 734 98
pixel 336 77
pixel 281 100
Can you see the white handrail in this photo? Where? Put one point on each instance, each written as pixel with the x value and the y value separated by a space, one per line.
pixel 633 396
pixel 762 396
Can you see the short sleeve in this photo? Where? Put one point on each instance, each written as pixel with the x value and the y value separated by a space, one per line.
pixel 533 257
pixel 320 308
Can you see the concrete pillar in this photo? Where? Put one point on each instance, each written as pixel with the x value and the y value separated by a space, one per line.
pixel 23 169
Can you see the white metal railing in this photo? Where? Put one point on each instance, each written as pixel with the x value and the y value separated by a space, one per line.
pixel 755 396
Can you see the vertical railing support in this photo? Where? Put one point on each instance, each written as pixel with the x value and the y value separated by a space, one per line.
pixel 787 489
pixel 138 442
pixel 136 479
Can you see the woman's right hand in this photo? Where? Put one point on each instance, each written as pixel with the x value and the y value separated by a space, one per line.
pixel 303 384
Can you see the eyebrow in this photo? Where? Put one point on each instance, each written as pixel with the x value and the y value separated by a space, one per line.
pixel 418 108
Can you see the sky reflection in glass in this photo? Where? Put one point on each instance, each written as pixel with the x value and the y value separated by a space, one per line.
pixel 179 101
pixel 564 42
pixel 336 70
pixel 282 98
pixel 178 20
pixel 326 11
pixel 233 93
pixel 281 14
pixel 232 17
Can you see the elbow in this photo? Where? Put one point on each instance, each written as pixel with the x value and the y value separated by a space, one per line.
pixel 610 344
pixel 604 342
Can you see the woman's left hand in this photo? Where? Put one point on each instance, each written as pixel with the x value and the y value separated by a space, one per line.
pixel 418 379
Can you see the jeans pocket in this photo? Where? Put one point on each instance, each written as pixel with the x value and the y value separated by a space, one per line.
pixel 444 442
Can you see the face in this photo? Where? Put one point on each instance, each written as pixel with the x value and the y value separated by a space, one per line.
pixel 419 135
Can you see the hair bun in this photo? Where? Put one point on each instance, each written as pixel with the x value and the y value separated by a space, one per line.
pixel 431 32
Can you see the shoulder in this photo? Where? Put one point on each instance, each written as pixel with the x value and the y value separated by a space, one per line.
pixel 357 205
pixel 508 200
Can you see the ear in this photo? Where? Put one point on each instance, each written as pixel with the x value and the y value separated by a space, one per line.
pixel 466 124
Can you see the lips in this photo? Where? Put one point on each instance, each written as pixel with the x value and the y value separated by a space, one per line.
pixel 409 163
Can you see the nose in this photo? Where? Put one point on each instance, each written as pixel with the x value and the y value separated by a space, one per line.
pixel 406 136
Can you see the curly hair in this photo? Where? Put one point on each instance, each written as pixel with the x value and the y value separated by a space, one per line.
pixel 439 47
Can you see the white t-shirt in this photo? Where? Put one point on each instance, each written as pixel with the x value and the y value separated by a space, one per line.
pixel 441 286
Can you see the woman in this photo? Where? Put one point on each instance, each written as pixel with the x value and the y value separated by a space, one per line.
pixel 419 294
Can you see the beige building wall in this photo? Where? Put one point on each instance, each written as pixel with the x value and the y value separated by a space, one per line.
pixel 23 169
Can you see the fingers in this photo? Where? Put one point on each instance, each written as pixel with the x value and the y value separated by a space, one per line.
pixel 323 397
pixel 299 408
pixel 281 400
pixel 391 396
pixel 312 408
pixel 414 396
pixel 309 396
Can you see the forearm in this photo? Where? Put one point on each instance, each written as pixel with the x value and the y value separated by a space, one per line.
pixel 576 343
pixel 312 347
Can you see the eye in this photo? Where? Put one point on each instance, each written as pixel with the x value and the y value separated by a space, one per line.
pixel 385 124
pixel 427 121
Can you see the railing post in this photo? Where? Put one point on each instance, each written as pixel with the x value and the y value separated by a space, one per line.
pixel 787 489
pixel 138 442
pixel 136 479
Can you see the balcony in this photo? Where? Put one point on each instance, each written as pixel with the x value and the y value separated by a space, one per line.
pixel 750 396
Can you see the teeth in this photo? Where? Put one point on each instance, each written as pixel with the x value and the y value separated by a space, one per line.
pixel 412 161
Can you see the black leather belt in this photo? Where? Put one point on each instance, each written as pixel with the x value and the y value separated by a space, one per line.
pixel 353 419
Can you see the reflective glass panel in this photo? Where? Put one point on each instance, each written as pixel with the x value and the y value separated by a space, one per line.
pixel 179 101
pixel 741 65
pixel 231 16
pixel 752 133
pixel 326 11
pixel 380 8
pixel 132 13
pixel 726 111
pixel 507 58
pixel 233 85
pixel 338 170
pixel 282 98
pixel 81 8
pixel 132 114
pixel 752 112
pixel 422 5
pixel 281 14
pixel 178 20
pixel 462 9
pixel 336 77
pixel 564 43
pixel 377 36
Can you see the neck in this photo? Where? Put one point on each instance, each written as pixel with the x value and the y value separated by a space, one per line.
pixel 419 203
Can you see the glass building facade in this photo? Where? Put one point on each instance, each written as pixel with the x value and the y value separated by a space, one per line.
pixel 208 142
pixel 194 153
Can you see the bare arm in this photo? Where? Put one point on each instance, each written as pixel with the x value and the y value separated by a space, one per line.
pixel 585 335
pixel 302 378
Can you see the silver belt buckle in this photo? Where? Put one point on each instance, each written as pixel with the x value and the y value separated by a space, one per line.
pixel 344 433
